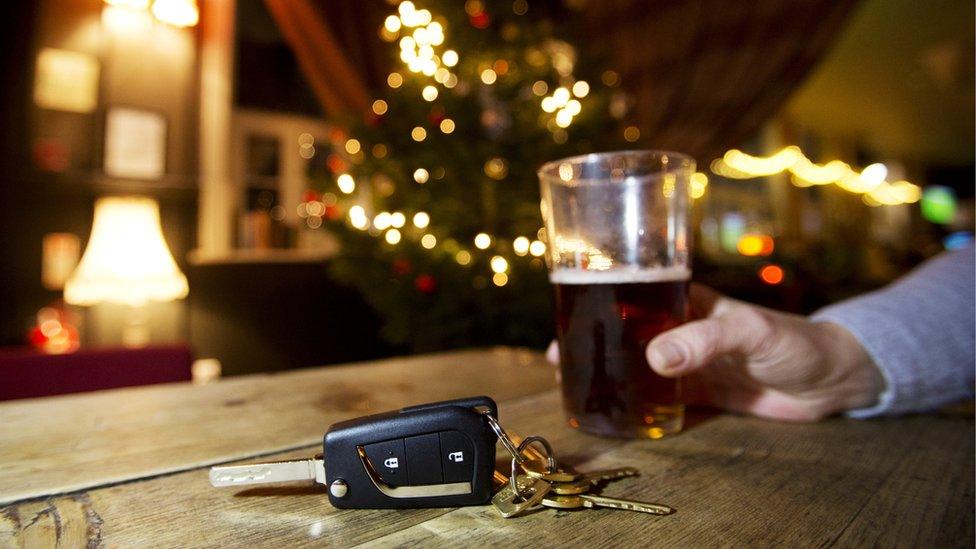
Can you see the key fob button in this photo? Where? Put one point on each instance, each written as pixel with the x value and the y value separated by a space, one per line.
pixel 457 457
pixel 423 459
pixel 389 460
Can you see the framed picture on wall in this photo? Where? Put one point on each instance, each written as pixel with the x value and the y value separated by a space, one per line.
pixel 135 143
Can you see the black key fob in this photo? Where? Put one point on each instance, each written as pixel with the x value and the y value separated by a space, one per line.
pixel 433 455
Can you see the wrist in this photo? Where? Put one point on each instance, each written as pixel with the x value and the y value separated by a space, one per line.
pixel 855 378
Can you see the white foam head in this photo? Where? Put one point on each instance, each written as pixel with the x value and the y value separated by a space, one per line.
pixel 620 276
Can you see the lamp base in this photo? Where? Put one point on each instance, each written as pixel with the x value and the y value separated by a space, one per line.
pixel 135 331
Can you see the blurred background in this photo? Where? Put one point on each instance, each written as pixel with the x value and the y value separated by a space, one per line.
pixel 191 189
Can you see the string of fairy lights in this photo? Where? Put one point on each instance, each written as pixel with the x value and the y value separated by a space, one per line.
pixel 421 38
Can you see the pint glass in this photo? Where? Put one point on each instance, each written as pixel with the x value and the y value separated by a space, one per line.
pixel 619 261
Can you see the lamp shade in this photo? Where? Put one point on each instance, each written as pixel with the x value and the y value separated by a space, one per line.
pixel 127 260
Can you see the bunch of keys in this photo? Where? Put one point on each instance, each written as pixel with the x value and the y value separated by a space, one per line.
pixel 434 455
pixel 543 483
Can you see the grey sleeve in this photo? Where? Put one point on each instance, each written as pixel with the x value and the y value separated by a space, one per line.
pixel 920 331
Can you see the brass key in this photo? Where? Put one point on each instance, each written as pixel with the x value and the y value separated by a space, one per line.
pixel 536 468
pixel 590 501
pixel 533 488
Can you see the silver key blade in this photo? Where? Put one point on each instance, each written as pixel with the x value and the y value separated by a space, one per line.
pixel 626 504
pixel 260 473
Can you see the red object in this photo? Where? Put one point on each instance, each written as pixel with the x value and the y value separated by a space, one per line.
pixel 772 274
pixel 401 266
pixel 27 373
pixel 436 116
pixel 480 21
pixel 310 196
pixel 332 212
pixel 335 163
pixel 425 284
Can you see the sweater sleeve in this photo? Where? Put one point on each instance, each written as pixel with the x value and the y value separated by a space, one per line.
pixel 921 333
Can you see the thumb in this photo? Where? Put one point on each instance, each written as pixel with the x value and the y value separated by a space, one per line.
pixel 694 345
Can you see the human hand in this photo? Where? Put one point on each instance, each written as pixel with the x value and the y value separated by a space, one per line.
pixel 753 360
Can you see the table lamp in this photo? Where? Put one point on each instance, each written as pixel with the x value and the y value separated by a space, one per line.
pixel 126 262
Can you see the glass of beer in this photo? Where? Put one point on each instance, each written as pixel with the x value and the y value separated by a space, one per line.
pixel 619 261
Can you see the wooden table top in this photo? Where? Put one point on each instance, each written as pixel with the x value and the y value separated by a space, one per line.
pixel 129 467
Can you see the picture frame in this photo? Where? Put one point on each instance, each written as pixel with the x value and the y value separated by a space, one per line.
pixel 135 143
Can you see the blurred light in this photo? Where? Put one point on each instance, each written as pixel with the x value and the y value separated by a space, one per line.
pixel 346 183
pixel 130 4
pixel 498 264
pixel 772 274
pixel 549 104
pixel 488 76
pixel 561 96
pixel 540 88
pixel 406 8
pixel 418 134
pixel 537 248
pixel 473 7
pixel 395 80
pixel 306 151
pixel 421 175
pixel 631 133
pixel 501 67
pixel 697 185
pixel 447 125
pixel 392 23
pixel 379 106
pixel 306 139
pixel 496 168
pixel 574 107
pixel 379 150
pixel 938 204
pixel 581 88
pixel 610 78
pixel 482 241
pixel 179 13
pixel 398 220
pixel 393 236
pixel 520 7
pixel 441 75
pixel 329 199
pixel 564 118
pixel 751 244
pixel 382 221
pixel 429 93
pixel 957 240
pixel 313 222
pixel 314 208
pixel 353 146
pixel 463 257
pixel 421 220
pixel 449 58
pixel 357 217
pixel 499 279
pixel 428 241
pixel 874 174
pixel 521 246
pixel 126 20
pixel 451 81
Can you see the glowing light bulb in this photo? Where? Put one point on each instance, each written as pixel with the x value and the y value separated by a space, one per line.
pixel 353 146
pixel 447 125
pixel 398 220
pixel 418 134
pixel 382 220
pixel 537 248
pixel 393 236
pixel 521 246
pixel 392 23
pixel 450 58
pixel 488 76
pixel 581 88
pixel 428 241
pixel 429 93
pixel 395 80
pixel 379 106
pixel 499 279
pixel 561 95
pixel 421 220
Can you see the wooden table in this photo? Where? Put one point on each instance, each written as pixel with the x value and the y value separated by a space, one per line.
pixel 129 467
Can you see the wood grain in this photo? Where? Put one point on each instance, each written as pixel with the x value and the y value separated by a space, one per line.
pixel 62 444
pixel 734 481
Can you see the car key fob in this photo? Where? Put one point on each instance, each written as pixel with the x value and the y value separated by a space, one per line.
pixel 433 455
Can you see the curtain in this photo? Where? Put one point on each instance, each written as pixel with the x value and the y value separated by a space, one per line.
pixel 705 75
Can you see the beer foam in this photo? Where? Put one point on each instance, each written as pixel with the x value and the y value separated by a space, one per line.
pixel 620 276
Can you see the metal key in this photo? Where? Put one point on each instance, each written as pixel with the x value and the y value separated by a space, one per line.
pixel 260 473
pixel 590 501
pixel 505 499
pixel 537 469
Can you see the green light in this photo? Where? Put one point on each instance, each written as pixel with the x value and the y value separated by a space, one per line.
pixel 938 204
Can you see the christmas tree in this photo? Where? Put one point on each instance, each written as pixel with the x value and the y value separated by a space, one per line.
pixel 433 193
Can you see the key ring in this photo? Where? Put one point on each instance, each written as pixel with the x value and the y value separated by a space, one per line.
pixel 550 461
pixel 502 435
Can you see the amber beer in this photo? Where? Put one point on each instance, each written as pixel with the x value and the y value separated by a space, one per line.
pixel 604 322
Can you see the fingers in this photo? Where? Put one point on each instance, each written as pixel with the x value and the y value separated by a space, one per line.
pixel 552 354
pixel 743 329
pixel 706 302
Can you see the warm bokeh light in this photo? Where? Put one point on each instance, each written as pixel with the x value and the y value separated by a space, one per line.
pixel 772 274
pixel 382 221
pixel 631 133
pixel 521 246
pixel 537 248
pixel 450 58
pixel 346 183
pixel 499 279
pixel 379 106
pixel 418 134
pixel 393 236
pixel 395 80
pixel 581 88
pixel 421 175
pixel 179 13
pixel 488 76
pixel 447 126
pixel 482 241
pixel 398 220
pixel 463 257
pixel 498 264
pixel 429 93
pixel 353 146
pixel 428 241
pixel 752 244
pixel 421 220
